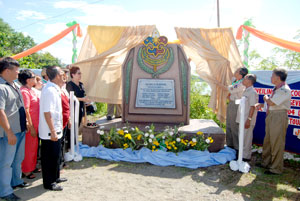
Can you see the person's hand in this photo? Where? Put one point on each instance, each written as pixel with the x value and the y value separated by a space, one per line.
pixel 258 106
pixel 33 132
pixel 266 97
pixel 54 136
pixel 228 97
pixel 69 123
pixel 86 99
pixel 27 126
pixel 11 138
pixel 247 124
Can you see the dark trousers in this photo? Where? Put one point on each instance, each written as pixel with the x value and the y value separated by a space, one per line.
pixel 51 153
pixel 65 145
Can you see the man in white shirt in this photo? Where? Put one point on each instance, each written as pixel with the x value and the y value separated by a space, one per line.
pixel 276 123
pixel 250 114
pixel 236 90
pixel 50 128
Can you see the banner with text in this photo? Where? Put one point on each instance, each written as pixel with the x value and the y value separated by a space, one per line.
pixel 292 140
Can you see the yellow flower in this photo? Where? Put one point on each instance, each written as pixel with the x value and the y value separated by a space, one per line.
pixel 139 137
pixel 121 132
pixel 128 136
pixel 210 140
pixel 199 133
pixel 153 147
pixel 156 143
pixel 175 148
pixel 193 143
pixel 125 146
pixel 111 143
pixel 169 147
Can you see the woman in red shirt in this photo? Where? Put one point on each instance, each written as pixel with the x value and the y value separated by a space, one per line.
pixel 65 99
pixel 32 107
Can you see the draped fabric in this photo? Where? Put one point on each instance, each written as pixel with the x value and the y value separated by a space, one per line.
pixel 190 159
pixel 267 37
pixel 216 56
pixel 101 57
pixel 104 39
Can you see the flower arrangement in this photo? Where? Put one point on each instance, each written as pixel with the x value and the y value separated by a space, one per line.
pixel 169 140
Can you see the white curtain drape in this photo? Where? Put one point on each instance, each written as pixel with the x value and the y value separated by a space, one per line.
pixel 101 64
pixel 215 53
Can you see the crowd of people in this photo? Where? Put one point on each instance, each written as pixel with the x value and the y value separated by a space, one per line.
pixel 35 121
pixel 277 105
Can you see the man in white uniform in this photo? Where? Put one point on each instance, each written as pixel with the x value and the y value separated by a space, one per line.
pixel 250 114
pixel 276 123
pixel 235 92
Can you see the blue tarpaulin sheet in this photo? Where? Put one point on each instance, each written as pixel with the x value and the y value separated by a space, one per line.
pixel 190 159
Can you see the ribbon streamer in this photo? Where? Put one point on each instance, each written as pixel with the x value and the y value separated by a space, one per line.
pixel 267 37
pixel 48 42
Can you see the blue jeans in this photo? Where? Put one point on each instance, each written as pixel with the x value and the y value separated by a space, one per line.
pixel 11 157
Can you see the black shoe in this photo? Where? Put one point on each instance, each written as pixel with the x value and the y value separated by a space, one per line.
pixel 60 180
pixel 268 172
pixel 108 118
pixel 118 117
pixel 23 185
pixel 11 197
pixel 246 160
pixel 55 187
pixel 298 188
pixel 259 165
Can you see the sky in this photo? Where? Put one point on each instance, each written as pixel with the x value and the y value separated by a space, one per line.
pixel 42 19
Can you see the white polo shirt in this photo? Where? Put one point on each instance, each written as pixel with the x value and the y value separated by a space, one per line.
pixel 50 101
pixel 236 90
pixel 281 98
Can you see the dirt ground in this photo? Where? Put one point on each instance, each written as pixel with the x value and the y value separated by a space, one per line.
pixel 96 179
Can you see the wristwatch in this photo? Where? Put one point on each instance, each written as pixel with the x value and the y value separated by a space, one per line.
pixel 250 118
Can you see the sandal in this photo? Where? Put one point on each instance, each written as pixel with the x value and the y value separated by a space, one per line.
pixel 30 176
pixel 37 170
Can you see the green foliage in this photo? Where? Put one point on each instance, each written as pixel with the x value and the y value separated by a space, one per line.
pixel 169 140
pixel 101 109
pixel 12 42
pixel 199 104
pixel 280 57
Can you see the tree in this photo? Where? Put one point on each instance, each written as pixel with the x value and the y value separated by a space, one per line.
pixel 280 57
pixel 12 42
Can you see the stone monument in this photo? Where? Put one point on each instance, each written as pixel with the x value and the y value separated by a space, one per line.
pixel 156 83
pixel 156 89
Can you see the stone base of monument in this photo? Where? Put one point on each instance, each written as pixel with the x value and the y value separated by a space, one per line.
pixel 208 127
pixel 90 136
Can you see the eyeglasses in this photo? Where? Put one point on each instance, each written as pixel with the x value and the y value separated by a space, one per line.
pixel 79 73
